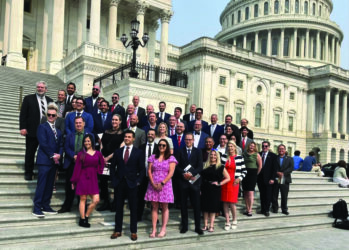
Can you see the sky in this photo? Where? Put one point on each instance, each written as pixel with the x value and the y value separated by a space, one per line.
pixel 196 18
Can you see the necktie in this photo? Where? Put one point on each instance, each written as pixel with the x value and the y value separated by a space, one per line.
pixel 128 122
pixel 243 144
pixel 149 150
pixel 161 115
pixel 179 141
pixel 78 114
pixel 172 131
pixel 78 143
pixel 54 131
pixel 127 153
pixel 103 118
pixel 188 153
pixel 43 110
pixel 61 109
pixel 192 117
pixel 263 158
pixel 197 133
pixel 212 130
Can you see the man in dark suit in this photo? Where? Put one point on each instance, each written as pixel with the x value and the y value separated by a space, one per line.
pixel 116 108
pixel 33 109
pixel 177 114
pixel 139 111
pixel 144 121
pixel 214 130
pixel 72 146
pixel 189 155
pixel 149 148
pixel 70 119
pixel 91 105
pixel 102 121
pixel 199 135
pixel 245 141
pixel 71 88
pixel 49 153
pixel 191 116
pixel 244 123
pixel 162 116
pixel 126 172
pixel 266 177
pixel 139 133
pixel 284 170
pixel 151 123
pixel 236 130
pixel 198 117
pixel 171 125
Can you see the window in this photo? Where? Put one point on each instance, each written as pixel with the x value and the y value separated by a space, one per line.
pixel 238 114
pixel 290 123
pixel 276 7
pixel 266 8
pixel 292 96
pixel 287 6
pixel 286 46
pixel 28 6
pixel 276 149
pixel 259 89
pixel 314 48
pixel 258 116
pixel 222 80
pixel 289 151
pixel 275 47
pixel 306 6
pixel 277 121
pixel 220 112
pixel 239 16
pixel 255 10
pixel 252 45
pixel 341 154
pixel 297 7
pixel 314 9
pixel 320 10
pixel 240 84
pixel 88 22
pixel 333 155
pixel 278 93
pixel 247 13
pixel 264 46
pixel 232 19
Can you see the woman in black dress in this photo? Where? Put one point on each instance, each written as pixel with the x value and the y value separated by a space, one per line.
pixel 214 175
pixel 111 140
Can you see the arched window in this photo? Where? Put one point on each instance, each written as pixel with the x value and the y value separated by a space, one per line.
pixel 239 16
pixel 314 9
pixel 276 7
pixel 256 10
pixel 232 19
pixel 297 7
pixel 247 13
pixel 275 46
pixel 341 154
pixel 266 8
pixel 306 6
pixel 258 116
pixel 287 6
pixel 333 155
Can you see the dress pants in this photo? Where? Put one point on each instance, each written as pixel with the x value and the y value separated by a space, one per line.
pixel 103 186
pixel 31 145
pixel 142 189
pixel 44 188
pixel 284 188
pixel 265 194
pixel 176 180
pixel 193 190
pixel 122 191
pixel 69 192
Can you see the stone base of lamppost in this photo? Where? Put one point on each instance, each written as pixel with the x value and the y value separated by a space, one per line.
pixel 133 73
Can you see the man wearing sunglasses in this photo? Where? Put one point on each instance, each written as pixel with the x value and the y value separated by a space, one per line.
pixel 91 102
pixel 116 108
pixel 69 120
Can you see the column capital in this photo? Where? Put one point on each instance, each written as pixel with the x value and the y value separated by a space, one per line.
pixel 344 92
pixel 165 16
pixel 141 7
pixel 114 3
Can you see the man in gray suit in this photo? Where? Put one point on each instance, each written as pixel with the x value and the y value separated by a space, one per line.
pixel 284 169
pixel 245 141
pixel 139 133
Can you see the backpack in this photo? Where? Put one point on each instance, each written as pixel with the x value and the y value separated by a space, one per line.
pixel 340 211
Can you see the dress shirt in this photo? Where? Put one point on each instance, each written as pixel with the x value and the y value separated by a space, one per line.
pixel 76 112
pixel 196 139
pixel 152 145
pixel 192 116
pixel 213 128
pixel 221 149
pixel 94 101
pixel 172 130
pixel 265 157
pixel 136 110
pixel 133 128
pixel 129 151
pixel 68 100
pixel 281 160
pixel 39 102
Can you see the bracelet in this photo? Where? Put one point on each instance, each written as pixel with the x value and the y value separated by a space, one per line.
pixel 162 184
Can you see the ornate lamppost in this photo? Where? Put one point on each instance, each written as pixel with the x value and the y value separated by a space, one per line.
pixel 134 43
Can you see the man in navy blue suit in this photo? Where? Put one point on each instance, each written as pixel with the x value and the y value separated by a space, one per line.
pixel 214 130
pixel 198 117
pixel 102 121
pixel 69 120
pixel 49 153
pixel 151 123
pixel 91 105
pixel 162 115
pixel 126 172
pixel 178 138
pixel 199 135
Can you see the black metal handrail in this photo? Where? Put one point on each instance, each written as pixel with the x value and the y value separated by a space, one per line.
pixel 146 72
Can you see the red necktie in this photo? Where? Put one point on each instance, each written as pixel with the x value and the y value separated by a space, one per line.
pixel 127 153
pixel 112 108
pixel 243 143
pixel 179 141
pixel 128 122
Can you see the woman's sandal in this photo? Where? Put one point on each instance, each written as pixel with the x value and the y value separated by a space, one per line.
pixel 152 235
pixel 161 235
pixel 211 230
pixel 204 228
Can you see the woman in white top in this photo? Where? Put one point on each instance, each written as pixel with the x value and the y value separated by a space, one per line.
pixel 162 133
pixel 340 174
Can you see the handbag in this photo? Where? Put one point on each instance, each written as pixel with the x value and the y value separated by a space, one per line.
pixel 106 169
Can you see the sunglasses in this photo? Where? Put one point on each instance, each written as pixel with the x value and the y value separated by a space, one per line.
pixel 51 115
pixel 162 145
pixel 265 146
pixel 114 98
pixel 95 89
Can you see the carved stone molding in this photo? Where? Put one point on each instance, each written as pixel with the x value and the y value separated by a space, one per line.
pixel 141 7
pixel 114 3
pixel 165 16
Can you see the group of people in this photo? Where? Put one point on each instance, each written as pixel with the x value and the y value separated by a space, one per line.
pixel 147 156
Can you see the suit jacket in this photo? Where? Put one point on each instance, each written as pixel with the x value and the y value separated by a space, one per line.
pixel 175 143
pixel 286 168
pixel 89 107
pixel 69 149
pixel 98 126
pixel 29 117
pixel 195 161
pixel 249 133
pixel 201 143
pixel 216 134
pixel 191 125
pixel 140 114
pixel 147 127
pixel 60 123
pixel 65 110
pixel 269 169
pixel 48 145
pixel 140 137
pixel 117 110
pixel 248 141
pixel 186 118
pixel 133 171
pixel 70 124
pixel 236 133
pixel 167 116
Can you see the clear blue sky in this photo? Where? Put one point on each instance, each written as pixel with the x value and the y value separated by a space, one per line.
pixel 195 18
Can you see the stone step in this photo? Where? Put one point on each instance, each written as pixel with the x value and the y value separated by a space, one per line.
pixel 12 118
pixel 317 187
pixel 13 155
pixel 5 149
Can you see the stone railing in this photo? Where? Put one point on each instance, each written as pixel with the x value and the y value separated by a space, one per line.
pixel 328 69
pixel 98 52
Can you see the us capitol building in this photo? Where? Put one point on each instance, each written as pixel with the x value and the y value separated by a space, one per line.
pixel 274 62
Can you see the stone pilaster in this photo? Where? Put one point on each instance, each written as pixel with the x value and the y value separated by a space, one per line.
pixel 165 19
pixel 95 21
pixel 113 17
pixel 81 35
pixel 327 109
pixel 344 113
pixel 336 111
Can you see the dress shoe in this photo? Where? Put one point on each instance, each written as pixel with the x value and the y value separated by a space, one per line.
pixel 49 211
pixel 86 222
pixel 285 212
pixel 134 237
pixel 260 212
pixel 199 231
pixel 267 214
pixel 105 206
pixel 83 223
pixel 28 177
pixel 183 230
pixel 275 211
pixel 63 210
pixel 115 235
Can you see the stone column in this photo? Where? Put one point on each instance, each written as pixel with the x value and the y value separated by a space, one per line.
pixel 81 35
pixel 113 15
pixel 332 51
pixel 282 40
pixel 6 26
pixel 234 41
pixel 318 45
pixel 95 21
pixel 256 42
pixel 338 52
pixel 336 112
pixel 311 110
pixel 302 47
pixel 326 48
pixel 57 36
pixel 45 24
pixel 269 43
pixel 14 57
pixel 295 43
pixel 307 44
pixel 245 42
pixel 327 109
pixel 141 8
pixel 165 19
pixel 344 112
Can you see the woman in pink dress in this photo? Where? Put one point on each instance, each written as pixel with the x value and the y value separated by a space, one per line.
pixel 88 163
pixel 159 192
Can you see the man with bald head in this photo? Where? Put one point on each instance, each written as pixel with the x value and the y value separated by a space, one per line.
pixel 144 121
pixel 139 133
pixel 191 116
pixel 91 106
pixel 214 129
pixel 139 111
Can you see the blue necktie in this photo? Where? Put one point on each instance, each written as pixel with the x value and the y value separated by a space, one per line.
pixel 188 153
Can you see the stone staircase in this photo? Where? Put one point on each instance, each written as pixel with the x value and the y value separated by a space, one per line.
pixel 310 198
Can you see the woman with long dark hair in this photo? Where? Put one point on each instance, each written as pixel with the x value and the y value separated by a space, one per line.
pixel 160 171
pixel 88 163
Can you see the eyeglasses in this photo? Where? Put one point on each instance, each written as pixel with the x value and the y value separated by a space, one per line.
pixel 162 145
pixel 114 97
pixel 79 103
pixel 51 115
pixel 265 146
pixel 95 89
